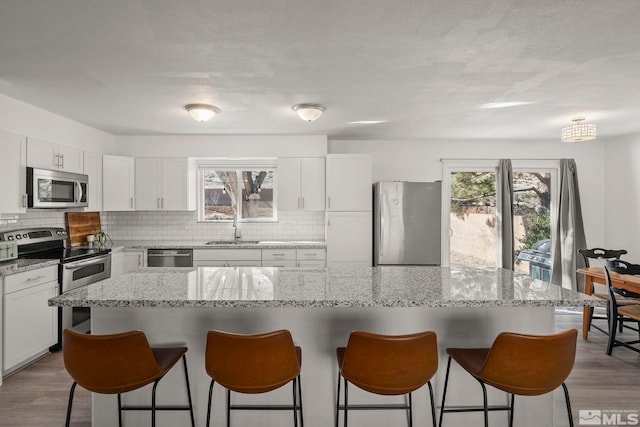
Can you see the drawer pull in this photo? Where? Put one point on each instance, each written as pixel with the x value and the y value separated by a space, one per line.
pixel 31 279
pixel 277 254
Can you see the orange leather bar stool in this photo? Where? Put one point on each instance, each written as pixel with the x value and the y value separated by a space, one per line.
pixel 526 365
pixel 118 363
pixel 253 364
pixel 390 365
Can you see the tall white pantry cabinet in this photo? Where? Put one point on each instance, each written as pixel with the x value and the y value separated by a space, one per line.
pixel 349 210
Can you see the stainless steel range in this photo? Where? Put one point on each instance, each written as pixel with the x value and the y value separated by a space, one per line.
pixel 79 266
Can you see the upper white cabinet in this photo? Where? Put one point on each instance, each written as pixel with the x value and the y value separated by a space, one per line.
pixel 46 155
pixel 165 184
pixel 13 173
pixel 93 169
pixel 118 183
pixel 349 180
pixel 301 183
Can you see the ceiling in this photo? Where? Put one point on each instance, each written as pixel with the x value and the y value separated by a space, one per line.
pixel 425 67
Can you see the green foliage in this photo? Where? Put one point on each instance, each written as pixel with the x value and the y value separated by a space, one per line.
pixel 472 189
pixel 538 228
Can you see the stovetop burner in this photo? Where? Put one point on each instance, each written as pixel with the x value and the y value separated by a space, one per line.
pixel 48 243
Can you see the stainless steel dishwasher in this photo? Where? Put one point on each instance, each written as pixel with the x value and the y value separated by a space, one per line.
pixel 170 258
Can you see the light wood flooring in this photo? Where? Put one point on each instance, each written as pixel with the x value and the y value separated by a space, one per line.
pixel 37 396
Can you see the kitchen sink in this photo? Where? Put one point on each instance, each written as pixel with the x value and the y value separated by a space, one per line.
pixel 231 242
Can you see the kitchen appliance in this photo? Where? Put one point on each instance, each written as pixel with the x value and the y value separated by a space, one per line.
pixel 539 257
pixel 170 258
pixel 79 266
pixel 8 251
pixel 407 222
pixel 47 189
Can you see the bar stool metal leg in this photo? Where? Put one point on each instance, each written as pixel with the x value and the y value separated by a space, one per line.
pixel 209 405
pixel 346 402
pixel 300 399
pixel 186 376
pixel 338 400
pixel 444 391
pixel 511 410
pixel 228 408
pixel 410 412
pixel 566 398
pixel 486 406
pixel 119 410
pixel 71 393
pixel 153 403
pixel 433 404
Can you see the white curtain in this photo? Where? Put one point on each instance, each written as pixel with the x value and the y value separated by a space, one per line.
pixel 504 200
pixel 569 235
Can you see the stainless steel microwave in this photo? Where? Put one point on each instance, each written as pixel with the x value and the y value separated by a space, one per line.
pixel 47 189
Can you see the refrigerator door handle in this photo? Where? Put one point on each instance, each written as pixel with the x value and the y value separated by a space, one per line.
pixel 450 232
pixel 381 246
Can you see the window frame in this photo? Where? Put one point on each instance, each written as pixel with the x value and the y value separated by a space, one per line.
pixel 238 165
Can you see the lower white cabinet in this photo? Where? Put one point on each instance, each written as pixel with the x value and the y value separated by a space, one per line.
pixel 133 259
pixel 227 257
pixel 30 326
pixel 349 239
pixel 310 258
pixel 117 263
pixel 278 257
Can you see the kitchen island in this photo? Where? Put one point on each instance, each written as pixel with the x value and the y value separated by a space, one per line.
pixel 464 306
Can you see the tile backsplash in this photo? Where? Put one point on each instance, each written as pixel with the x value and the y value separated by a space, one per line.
pixel 150 225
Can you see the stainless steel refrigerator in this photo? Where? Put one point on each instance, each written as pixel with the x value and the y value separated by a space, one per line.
pixel 407 222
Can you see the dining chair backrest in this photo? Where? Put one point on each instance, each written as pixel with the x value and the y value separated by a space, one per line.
pixel 530 365
pixel 623 267
pixel 613 302
pixel 599 253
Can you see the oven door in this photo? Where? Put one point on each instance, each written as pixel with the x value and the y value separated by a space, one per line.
pixel 76 275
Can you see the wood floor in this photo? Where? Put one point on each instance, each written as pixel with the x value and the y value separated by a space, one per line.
pixel 37 396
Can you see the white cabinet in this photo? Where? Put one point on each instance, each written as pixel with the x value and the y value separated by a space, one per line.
pixel 93 169
pixel 310 258
pixel 349 237
pixel 165 184
pixel 133 259
pixel 117 263
pixel 46 155
pixel 349 182
pixel 13 173
pixel 301 183
pixel 118 179
pixel 227 257
pixel 30 325
pixel 278 257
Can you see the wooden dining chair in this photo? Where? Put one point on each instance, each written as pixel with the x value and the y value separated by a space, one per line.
pixel 605 255
pixel 621 313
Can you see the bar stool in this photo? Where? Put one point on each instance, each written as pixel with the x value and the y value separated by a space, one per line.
pixel 119 363
pixel 253 364
pixel 526 365
pixel 387 365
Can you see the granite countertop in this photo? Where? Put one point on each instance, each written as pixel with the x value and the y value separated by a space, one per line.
pixel 330 287
pixel 20 265
pixel 189 244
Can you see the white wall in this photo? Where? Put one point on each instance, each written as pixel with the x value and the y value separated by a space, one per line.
pixel 24 119
pixel 419 160
pixel 622 195
pixel 222 146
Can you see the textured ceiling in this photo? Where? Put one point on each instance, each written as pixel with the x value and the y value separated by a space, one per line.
pixel 423 66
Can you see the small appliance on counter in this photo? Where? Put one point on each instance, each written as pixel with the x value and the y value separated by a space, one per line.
pixel 8 251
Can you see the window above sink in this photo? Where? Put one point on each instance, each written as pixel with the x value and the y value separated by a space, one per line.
pixel 239 190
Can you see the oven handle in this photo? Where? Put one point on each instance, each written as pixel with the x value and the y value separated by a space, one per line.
pixel 95 260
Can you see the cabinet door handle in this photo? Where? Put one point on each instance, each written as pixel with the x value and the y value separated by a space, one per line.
pixel 56 160
pixel 298 202
pixel 158 202
pixel 328 202
pixel 62 161
pixel 162 202
pixel 302 198
pixel 277 254
pixel 131 198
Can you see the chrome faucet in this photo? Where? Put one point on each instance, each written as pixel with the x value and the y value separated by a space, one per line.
pixel 236 230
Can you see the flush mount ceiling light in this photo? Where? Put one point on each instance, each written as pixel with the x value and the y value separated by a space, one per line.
pixel 202 112
pixel 309 112
pixel 578 131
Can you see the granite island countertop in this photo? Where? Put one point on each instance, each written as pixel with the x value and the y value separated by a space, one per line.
pixel 330 287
